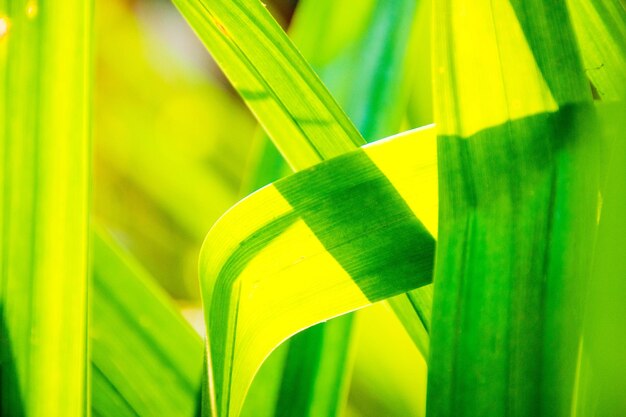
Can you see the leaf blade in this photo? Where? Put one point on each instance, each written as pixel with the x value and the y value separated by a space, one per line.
pixel 45 144
pixel 240 247
pixel 514 129
pixel 278 85
pixel 132 318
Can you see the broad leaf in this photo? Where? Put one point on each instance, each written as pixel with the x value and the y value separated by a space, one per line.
pixel 326 227
pixel 336 38
pixel 517 209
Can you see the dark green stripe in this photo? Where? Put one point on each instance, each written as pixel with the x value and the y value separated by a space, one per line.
pixel 364 223
pixel 361 220
pixel 11 403
pixel 305 349
pixel 538 18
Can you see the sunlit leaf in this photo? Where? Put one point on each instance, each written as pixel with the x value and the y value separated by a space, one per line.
pixel 517 209
pixel 601 30
pixel 377 87
pixel 343 259
pixel 375 97
pixel 45 93
pixel 279 86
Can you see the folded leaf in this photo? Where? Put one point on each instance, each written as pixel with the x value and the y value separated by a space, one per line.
pixel 337 38
pixel 281 88
pixel 251 49
pixel 321 243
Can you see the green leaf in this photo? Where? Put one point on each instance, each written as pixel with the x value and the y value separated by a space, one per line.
pixel 518 181
pixel 325 226
pixel 250 31
pixel 602 380
pixel 317 368
pixel 389 372
pixel 420 110
pixel 363 53
pixel 139 342
pixel 336 38
pixel 377 88
pixel 278 85
pixel 601 30
pixel 376 39
pixel 45 94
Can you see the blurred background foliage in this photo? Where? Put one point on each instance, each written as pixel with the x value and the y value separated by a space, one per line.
pixel 175 147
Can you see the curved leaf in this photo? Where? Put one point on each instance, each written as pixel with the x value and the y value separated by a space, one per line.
pixel 311 247
pixel 361 52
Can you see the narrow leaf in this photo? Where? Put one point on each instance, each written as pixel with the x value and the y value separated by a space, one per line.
pixel 601 30
pixel 44 147
pixel 278 85
pixel 139 342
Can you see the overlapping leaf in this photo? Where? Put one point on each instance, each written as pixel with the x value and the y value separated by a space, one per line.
pixel 336 38
pixel 300 153
pixel 517 209
pixel 251 49
pixel 311 247
pixel 278 85
pixel 601 31
pixel 44 145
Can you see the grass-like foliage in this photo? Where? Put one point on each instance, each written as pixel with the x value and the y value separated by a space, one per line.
pixel 382 208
